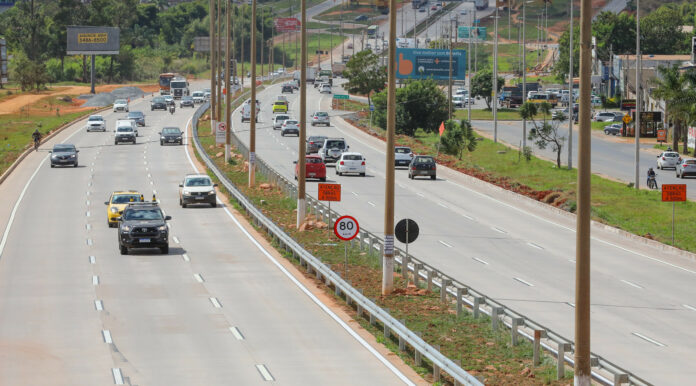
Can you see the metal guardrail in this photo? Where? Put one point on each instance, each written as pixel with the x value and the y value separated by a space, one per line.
pixel 603 371
pixel 363 304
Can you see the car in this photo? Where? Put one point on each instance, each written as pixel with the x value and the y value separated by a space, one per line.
pixel 604 116
pixel 197 189
pixel 458 101
pixel 143 225
pixel 158 103
pixel 349 46
pixel 320 118
pixel 169 100
pixel 668 159
pixel 126 122
pixel 422 165
pixel 96 123
pixel 138 117
pixel 314 142
pixel 290 126
pixel 198 97
pixel 117 203
pixel 286 88
pixel 360 18
pixel 686 167
pixel 421 9
pixel 331 149
pixel 120 105
pixel 279 119
pixel 124 133
pixel 402 155
pixel 280 107
pixel 463 12
pixel 613 129
pixel 351 162
pixel 171 135
pixel 596 101
pixel 314 168
pixel 368 46
pixel 325 88
pixel 64 154
pixel 433 8
pixel 206 93
pixel 186 101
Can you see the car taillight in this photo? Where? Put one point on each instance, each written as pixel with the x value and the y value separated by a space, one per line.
pixel 433 167
pixel 363 163
pixel 311 143
pixel 663 158
pixel 342 163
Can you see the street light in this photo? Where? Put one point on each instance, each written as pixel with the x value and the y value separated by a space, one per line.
pixel 638 97
pixel 524 70
pixel 495 76
pixel 571 98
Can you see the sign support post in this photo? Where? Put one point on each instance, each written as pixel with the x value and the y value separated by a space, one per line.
pixel 673 193
pixel 346 228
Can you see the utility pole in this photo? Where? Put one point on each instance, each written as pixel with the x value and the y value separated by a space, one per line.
pixel 343 45
pixel 475 44
pixel 638 96
pixel 218 109
pixel 571 99
pixel 228 88
pixel 583 372
pixel 211 14
pixel 524 71
pixel 449 83
pixel 263 39
pixel 495 76
pixel 252 108
pixel 509 19
pixel 388 259
pixel 468 70
pixel 301 163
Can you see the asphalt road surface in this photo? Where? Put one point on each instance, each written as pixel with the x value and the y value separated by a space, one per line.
pixel 218 309
pixel 643 299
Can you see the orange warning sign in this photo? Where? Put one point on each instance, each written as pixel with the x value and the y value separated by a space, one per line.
pixel 329 192
pixel 674 192
pixel 661 135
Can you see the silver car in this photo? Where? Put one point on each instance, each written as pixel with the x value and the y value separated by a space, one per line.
pixel 668 159
pixel 314 143
pixel 686 167
pixel 320 118
pixel 279 119
pixel 290 126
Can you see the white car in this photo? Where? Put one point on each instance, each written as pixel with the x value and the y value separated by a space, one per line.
pixel 279 119
pixel 351 163
pixel 198 97
pixel 121 105
pixel 325 88
pixel 604 116
pixel 197 189
pixel 96 123
pixel 124 132
pixel 402 156
pixel 668 159
pixel 290 126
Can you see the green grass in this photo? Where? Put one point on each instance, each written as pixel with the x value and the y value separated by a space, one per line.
pixel 314 42
pixel 483 114
pixel 349 14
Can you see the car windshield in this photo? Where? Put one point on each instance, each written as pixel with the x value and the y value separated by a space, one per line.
pixel 135 114
pixel 96 118
pixel 120 102
pixel 402 150
pixel 424 160
pixel 125 198
pixel 198 94
pixel 321 114
pixel 290 122
pixel 314 160
pixel 143 214
pixel 338 144
pixel 171 130
pixel 124 129
pixel 352 157
pixel 158 100
pixel 198 181
pixel 671 155
pixel 63 148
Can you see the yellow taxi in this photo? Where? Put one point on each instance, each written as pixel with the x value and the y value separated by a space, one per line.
pixel 280 107
pixel 117 202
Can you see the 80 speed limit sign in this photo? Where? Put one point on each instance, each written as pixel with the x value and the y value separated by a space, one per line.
pixel 346 228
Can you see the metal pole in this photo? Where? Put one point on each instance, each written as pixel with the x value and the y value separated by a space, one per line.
pixel 524 71
pixel 509 19
pixel 252 109
pixel 218 64
pixel 449 83
pixel 495 77
pixel 345 264
pixel 301 203
pixel 91 75
pixel 211 14
pixel 571 112
pixel 673 204
pixel 343 45
pixel 583 374
pixel 388 260
pixel 228 86
pixel 638 96
pixel 468 70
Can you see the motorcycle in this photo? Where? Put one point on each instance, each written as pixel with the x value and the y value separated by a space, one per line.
pixel 652 182
pixel 172 108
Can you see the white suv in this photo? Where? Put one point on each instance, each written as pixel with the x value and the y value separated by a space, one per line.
pixel 197 189
pixel 332 149
pixel 120 105
pixel 124 132
pixel 279 119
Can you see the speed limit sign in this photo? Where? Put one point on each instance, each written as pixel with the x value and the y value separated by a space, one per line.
pixel 346 228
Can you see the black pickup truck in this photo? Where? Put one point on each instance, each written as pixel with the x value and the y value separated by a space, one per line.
pixel 143 225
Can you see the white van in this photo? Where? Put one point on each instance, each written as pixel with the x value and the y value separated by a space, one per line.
pixel 246 110
pixel 128 122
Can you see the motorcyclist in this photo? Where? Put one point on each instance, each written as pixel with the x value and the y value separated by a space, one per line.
pixel 172 108
pixel 669 148
pixel 651 176
pixel 36 136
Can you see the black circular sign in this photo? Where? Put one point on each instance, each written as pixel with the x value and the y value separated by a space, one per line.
pixel 406 231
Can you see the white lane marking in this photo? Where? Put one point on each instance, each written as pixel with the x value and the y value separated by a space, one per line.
pixel 87 214
pixel 237 334
pixel 151 183
pixel 468 217
pixel 498 230
pixel 304 289
pixel 92 260
pixel 572 260
pixel 89 241
pixel 371 203
pixel 118 378
pixel 198 277
pixel 99 305
pixel 402 186
pixel 444 243
pixel 185 257
pixel 176 240
pixel 89 183
pixel 480 261
pixel 571 304
pixel 645 338
pixel 631 284
pixel 107 336
pixel 442 205
pixel 535 246
pixel 88 193
pixel 216 303
pixel 95 279
pixel 87 202
pixel 355 194
pixel 688 307
pixel 88 227
pixel 265 373
pixel 420 194
pixel 524 282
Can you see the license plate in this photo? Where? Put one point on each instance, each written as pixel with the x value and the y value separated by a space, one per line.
pixel 352 168
pixel 199 197
pixel 144 240
pixel 312 174
pixel 422 172
pixel 171 140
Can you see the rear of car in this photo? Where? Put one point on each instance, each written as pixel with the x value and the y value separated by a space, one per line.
pixel 279 119
pixel 286 88
pixel 321 118
pixel 332 149
pixel 686 167
pixel 422 166
pixel 280 107
pixel 138 117
pixel 351 163
pixel 314 143
pixel 402 156
pixel 668 159
pixel 314 168
pixel 117 203
pixel 290 126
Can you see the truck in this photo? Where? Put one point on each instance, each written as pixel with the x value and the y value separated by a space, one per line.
pixel 511 96
pixel 338 68
pixel 481 4
pixel 179 87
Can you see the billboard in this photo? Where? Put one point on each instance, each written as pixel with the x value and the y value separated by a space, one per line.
pixel 474 32
pixel 3 61
pixel 84 40
pixel 202 43
pixel 422 63
pixel 287 24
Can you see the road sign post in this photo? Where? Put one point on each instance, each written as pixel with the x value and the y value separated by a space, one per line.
pixel 406 231
pixel 346 228
pixel 220 132
pixel 673 193
pixel 329 192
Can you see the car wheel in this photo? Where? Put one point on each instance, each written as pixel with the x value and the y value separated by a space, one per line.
pixel 183 205
pixel 282 134
pixel 295 177
pixel 124 250
pixel 161 143
pixel 75 165
pixel 52 165
pixel 213 204
pixel 433 177
pixel 164 250
pixel 410 175
pixel 115 142
pixel 362 174
pixel 322 179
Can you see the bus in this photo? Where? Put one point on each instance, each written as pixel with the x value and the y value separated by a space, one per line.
pixel 372 30
pixel 164 80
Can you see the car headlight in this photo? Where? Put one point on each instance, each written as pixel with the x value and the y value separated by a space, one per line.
pixel 126 228
pixel 162 228
pixel 178 137
pixel 72 156
pixel 211 192
pixel 114 210
pixel 186 192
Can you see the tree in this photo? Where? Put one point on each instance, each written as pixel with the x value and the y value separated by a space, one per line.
pixel 457 138
pixel 482 85
pixel 364 74
pixel 670 86
pixel 544 133
pixel 419 104
pixel 661 32
pixel 560 68
pixel 614 33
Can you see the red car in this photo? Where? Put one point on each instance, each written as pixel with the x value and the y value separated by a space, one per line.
pixel 314 168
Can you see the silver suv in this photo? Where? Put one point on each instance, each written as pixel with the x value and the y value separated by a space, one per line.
pixel 320 118
pixel 332 149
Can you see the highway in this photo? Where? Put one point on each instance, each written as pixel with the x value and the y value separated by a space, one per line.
pixel 516 252
pixel 218 309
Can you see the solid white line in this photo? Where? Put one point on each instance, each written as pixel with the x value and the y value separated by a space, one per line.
pixel 420 194
pixel 95 279
pixel 198 277
pixel 304 289
pixel 107 336
pixel 688 307
pixel 524 282
pixel 185 257
pixel 265 373
pixel 176 240
pixel 442 205
pixel 118 378
pixel 444 243
pixel 631 284
pixel 653 341
pixel 498 230
pixel 92 260
pixel 237 334
pixel 480 261
pixel 535 246
pixel 98 305
pixel 215 302
pixel 371 203
pixel 572 260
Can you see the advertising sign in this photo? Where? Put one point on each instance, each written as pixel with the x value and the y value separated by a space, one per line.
pixel 628 104
pixel 84 40
pixel 474 32
pixel 661 135
pixel 422 63
pixel 673 192
pixel 3 61
pixel 287 24
pixel 329 192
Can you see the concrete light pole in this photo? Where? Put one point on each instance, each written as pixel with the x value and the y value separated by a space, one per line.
pixel 388 259
pixel 638 96
pixel 252 108
pixel 301 163
pixel 228 88
pixel 571 98
pixel 218 108
pixel 495 76
pixel 211 42
pixel 449 82
pixel 524 71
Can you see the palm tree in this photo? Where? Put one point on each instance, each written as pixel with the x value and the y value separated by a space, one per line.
pixel 690 101
pixel 670 87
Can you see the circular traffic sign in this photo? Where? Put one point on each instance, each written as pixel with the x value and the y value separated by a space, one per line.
pixel 346 228
pixel 406 231
pixel 221 126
